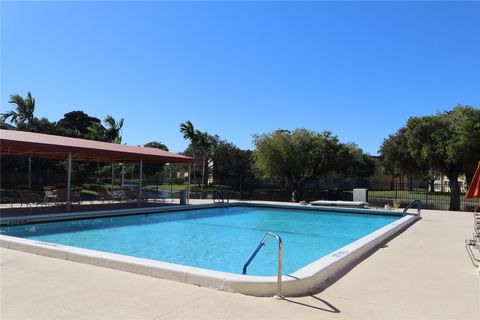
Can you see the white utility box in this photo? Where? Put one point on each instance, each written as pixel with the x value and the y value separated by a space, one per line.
pixel 360 195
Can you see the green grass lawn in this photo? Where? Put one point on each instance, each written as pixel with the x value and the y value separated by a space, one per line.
pixel 167 187
pixel 178 187
pixel 404 194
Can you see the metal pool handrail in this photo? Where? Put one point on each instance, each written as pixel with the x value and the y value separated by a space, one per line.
pixel 417 202
pixel 279 272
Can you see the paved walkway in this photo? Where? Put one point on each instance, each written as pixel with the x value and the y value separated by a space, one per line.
pixel 424 273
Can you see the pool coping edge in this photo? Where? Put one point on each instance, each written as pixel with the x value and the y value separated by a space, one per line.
pixel 312 278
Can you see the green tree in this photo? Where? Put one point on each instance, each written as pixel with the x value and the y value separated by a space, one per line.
pixel 396 154
pixel 200 142
pixel 205 144
pixel 95 131
pixel 113 130
pixel 295 156
pixel 22 116
pixel 156 144
pixel 6 126
pixel 231 165
pixel 446 142
pixel 43 125
pixel 189 133
pixel 154 169
pixel 397 158
pixel 76 124
pixel 352 161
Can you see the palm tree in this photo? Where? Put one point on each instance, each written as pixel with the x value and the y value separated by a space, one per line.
pixel 203 143
pixel 189 133
pixel 200 141
pixel 113 132
pixel 96 132
pixel 23 115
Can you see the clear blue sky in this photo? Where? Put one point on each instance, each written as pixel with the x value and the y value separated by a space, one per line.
pixel 358 69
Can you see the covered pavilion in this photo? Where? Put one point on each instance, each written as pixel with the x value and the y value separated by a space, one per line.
pixel 40 145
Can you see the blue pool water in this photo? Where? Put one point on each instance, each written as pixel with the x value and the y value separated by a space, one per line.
pixel 216 238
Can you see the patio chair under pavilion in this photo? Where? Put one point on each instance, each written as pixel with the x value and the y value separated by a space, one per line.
pixel 39 145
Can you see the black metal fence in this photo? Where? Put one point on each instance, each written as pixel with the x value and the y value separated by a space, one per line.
pixel 94 182
pixel 379 195
pixel 402 194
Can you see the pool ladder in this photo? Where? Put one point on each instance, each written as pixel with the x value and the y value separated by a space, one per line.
pixel 279 271
pixel 411 204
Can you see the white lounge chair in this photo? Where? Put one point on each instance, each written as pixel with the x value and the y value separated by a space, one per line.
pixel 475 241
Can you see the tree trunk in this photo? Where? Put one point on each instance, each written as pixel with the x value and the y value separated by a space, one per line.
pixel 30 173
pixel 241 187
pixel 123 175
pixel 203 174
pixel 113 176
pixel 195 176
pixel 194 171
pixel 432 185
pixel 297 192
pixel 99 180
pixel 454 192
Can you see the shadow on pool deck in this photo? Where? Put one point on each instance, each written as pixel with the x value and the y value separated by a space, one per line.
pixel 422 274
pixel 331 307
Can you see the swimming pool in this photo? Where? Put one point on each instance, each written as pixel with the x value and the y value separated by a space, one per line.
pixel 216 241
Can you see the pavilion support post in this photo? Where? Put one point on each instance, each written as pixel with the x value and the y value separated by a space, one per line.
pixel 195 176
pixel 123 174
pixel 171 180
pixel 29 172
pixel 69 179
pixel 113 176
pixel 188 193
pixel 99 180
pixel 140 182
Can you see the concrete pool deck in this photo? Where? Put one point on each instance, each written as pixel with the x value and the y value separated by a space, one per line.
pixel 424 273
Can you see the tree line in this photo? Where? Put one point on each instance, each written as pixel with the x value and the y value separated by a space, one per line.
pixel 76 124
pixel 445 143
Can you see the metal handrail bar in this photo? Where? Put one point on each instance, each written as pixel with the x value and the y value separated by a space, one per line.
pixel 279 271
pixel 474 242
pixel 417 202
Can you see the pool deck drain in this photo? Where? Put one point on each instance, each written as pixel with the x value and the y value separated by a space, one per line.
pixel 424 273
